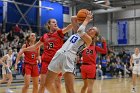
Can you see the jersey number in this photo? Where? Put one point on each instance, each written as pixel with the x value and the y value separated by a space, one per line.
pixel 51 45
pixel 33 56
pixel 88 51
pixel 74 39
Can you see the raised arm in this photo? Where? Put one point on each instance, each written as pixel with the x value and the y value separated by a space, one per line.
pixel 33 47
pixel 102 50
pixel 67 29
pixel 81 31
pixel 74 23
pixel 131 61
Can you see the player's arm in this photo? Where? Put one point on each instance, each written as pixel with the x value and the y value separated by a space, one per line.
pixel 33 47
pixel 38 57
pixel 81 31
pixel 2 61
pixel 66 29
pixel 74 23
pixel 102 50
pixel 131 61
pixel 19 55
pixel 70 26
pixel 87 39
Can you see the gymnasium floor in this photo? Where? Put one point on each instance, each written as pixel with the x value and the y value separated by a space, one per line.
pixel 100 86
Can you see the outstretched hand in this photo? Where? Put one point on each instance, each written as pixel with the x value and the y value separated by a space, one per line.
pixel 89 16
pixel 103 39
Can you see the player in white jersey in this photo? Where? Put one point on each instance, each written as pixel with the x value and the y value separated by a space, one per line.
pixel 135 59
pixel 6 61
pixel 63 60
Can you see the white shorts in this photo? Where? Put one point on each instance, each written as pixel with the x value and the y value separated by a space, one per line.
pixel 62 62
pixel 136 70
pixel 6 70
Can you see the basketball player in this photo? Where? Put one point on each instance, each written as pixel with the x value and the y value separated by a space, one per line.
pixel 6 61
pixel 51 41
pixel 30 66
pixel 135 59
pixel 88 68
pixel 63 60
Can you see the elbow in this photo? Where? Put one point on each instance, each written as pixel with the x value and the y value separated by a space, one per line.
pixel 104 52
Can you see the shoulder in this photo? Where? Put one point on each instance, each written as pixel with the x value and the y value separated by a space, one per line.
pixel 60 33
pixel 24 45
pixel 132 56
pixel 43 37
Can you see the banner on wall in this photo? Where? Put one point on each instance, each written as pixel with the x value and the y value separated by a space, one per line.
pixel 122 32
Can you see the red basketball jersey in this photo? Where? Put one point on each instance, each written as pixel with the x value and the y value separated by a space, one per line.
pixel 31 57
pixel 89 54
pixel 52 42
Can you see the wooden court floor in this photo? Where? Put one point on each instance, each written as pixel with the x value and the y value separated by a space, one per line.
pixel 100 86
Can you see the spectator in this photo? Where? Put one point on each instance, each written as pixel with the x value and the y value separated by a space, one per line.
pixel 99 71
pixel 10 36
pixel 104 64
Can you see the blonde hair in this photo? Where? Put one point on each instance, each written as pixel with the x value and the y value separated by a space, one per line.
pixel 48 23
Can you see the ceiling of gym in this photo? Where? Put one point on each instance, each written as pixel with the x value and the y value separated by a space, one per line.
pixel 98 4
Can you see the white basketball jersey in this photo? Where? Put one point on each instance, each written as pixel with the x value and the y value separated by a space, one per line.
pixel 72 44
pixel 136 59
pixel 9 60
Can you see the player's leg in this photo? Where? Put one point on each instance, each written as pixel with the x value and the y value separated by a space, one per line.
pixel 90 85
pixel 10 79
pixel 27 75
pixel 26 83
pixel 85 86
pixel 3 78
pixel 84 77
pixel 69 82
pixel 35 74
pixel 35 84
pixel 58 84
pixel 134 82
pixel 44 68
pixel 50 81
pixel 42 83
pixel 134 75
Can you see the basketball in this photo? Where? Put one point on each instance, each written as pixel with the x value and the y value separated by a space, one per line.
pixel 81 15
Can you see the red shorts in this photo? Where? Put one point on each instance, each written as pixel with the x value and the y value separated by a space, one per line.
pixel 44 68
pixel 88 71
pixel 30 69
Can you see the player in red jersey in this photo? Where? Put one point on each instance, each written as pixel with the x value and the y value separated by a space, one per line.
pixel 30 67
pixel 51 41
pixel 88 68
